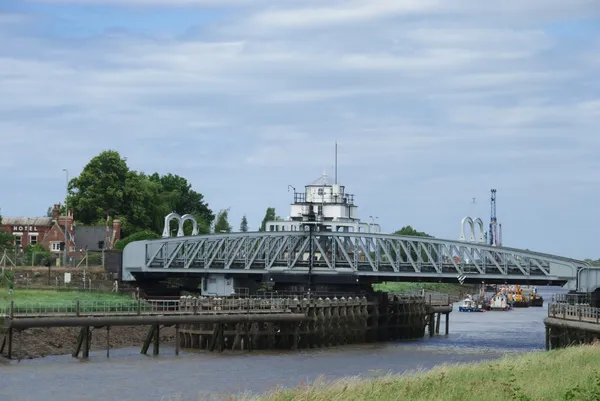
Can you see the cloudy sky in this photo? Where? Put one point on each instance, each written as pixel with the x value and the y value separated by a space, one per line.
pixel 432 102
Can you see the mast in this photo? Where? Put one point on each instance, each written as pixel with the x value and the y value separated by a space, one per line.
pixel 336 163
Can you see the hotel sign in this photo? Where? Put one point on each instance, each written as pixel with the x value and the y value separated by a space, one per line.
pixel 24 228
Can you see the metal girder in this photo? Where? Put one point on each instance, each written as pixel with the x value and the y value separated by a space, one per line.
pixel 362 253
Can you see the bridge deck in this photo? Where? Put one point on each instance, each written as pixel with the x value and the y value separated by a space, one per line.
pixel 333 253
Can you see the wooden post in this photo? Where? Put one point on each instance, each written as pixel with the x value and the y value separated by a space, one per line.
pixel 437 323
pixel 431 324
pixel 176 339
pixel 86 342
pixel 447 323
pixel 156 340
pixel 148 340
pixel 10 343
pixel 107 341
pixel 79 343
pixel 547 338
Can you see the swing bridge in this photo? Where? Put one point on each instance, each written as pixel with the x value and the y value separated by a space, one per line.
pixel 347 257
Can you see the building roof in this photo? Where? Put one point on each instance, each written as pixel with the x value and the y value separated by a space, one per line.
pixel 321 181
pixel 27 221
pixel 87 237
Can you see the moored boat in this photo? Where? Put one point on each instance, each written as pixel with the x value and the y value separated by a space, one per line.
pixel 470 305
pixel 500 302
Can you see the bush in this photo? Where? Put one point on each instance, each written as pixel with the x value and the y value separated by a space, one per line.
pixel 140 236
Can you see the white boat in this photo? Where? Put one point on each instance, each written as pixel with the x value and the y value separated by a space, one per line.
pixel 469 305
pixel 499 302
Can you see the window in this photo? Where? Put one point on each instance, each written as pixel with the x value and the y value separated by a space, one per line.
pixel 33 239
pixel 55 246
pixel 18 241
pixel 320 191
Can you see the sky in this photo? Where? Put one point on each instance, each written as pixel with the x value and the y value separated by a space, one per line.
pixel 432 103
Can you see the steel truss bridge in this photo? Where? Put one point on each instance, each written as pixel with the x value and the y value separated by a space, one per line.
pixel 374 257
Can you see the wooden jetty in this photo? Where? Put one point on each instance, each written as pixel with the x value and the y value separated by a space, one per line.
pixel 568 325
pixel 251 323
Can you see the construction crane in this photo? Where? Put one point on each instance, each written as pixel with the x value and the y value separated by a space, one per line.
pixel 494 235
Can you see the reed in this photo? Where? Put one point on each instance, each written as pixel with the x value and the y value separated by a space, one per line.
pixel 566 374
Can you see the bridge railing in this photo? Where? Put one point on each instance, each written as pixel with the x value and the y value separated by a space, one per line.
pixel 581 313
pixel 432 297
pixel 86 308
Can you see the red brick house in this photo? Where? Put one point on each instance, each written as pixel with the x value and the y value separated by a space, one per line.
pixel 49 232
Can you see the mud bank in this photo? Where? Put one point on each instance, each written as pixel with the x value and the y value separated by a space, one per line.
pixel 38 343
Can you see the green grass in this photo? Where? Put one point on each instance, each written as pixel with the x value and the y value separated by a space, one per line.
pixel 24 296
pixel 406 287
pixel 567 374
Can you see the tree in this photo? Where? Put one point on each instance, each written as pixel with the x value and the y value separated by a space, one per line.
pixel 100 188
pixel 269 216
pixel 244 225
pixel 222 223
pixel 409 231
pixel 6 240
pixel 107 187
pixel 139 236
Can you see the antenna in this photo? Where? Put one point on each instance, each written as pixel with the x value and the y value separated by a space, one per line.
pixel 336 163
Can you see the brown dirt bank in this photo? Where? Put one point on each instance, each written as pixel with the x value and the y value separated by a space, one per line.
pixel 38 343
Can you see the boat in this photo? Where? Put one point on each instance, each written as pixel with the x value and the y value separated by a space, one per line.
pixel 516 297
pixel 536 299
pixel 500 302
pixel 469 305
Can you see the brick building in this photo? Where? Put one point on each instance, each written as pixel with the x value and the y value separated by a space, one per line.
pixel 49 232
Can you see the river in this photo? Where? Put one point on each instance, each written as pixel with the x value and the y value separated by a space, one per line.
pixel 127 375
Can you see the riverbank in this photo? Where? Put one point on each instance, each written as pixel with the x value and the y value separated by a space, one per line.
pixel 38 343
pixel 455 290
pixel 566 374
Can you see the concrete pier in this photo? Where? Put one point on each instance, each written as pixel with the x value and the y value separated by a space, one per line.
pixel 568 325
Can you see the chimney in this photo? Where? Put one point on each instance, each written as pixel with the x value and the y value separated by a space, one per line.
pixel 56 212
pixel 116 229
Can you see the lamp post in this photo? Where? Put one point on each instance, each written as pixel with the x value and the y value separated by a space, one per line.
pixel 66 216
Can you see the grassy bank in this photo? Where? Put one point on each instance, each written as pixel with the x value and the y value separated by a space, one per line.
pixel 25 296
pixel 567 374
pixel 445 288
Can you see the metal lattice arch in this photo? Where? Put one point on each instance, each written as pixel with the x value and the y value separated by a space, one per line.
pixel 379 256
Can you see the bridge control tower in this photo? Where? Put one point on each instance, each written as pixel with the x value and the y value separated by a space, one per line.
pixel 334 210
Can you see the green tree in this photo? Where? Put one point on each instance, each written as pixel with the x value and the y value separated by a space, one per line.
pixel 107 187
pixel 6 240
pixel 222 223
pixel 409 231
pixel 100 188
pixel 244 224
pixel 139 236
pixel 269 216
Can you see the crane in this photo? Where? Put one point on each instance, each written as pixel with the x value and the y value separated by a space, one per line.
pixel 493 233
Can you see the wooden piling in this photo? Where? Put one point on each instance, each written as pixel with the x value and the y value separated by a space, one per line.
pixel 156 345
pixel 447 323
pixel 437 323
pixel 10 343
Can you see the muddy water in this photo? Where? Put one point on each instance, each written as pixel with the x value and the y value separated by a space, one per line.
pixel 127 375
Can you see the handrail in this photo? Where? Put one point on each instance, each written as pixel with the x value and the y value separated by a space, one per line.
pixel 190 305
pixel 580 313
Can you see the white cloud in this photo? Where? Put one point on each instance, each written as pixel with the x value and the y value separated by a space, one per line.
pixel 431 102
